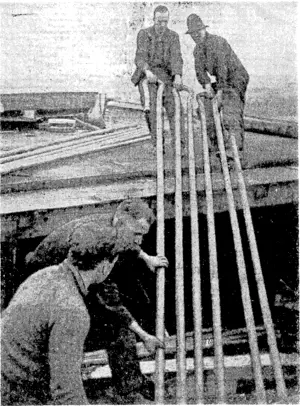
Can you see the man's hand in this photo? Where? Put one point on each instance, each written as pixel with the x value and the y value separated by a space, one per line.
pixel 177 82
pixel 150 76
pixel 209 91
pixel 154 262
pixel 151 343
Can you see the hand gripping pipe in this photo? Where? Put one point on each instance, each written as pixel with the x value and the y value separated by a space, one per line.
pixel 264 304
pixel 160 247
pixel 247 306
pixel 213 264
pixel 196 276
pixel 179 275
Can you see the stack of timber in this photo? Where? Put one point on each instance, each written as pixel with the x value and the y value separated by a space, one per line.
pixel 233 337
pixel 90 142
pixel 95 364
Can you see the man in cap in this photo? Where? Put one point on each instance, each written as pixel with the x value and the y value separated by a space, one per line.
pixel 214 56
pixel 45 325
pixel 158 57
pixel 121 305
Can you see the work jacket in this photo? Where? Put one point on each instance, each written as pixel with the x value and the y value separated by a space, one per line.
pixel 216 57
pixel 160 54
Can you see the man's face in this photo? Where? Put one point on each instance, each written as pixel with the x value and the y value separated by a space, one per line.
pixel 198 36
pixel 161 22
pixel 138 228
pixel 134 230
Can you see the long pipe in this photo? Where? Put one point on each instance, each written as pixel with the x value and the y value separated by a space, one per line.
pixel 160 247
pixel 21 150
pixel 68 153
pixel 64 145
pixel 179 277
pixel 196 274
pixel 213 264
pixel 264 304
pixel 247 306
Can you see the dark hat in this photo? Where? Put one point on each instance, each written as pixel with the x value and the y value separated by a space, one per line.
pixel 194 23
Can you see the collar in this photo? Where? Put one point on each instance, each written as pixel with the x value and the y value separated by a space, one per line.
pixel 155 35
pixel 79 282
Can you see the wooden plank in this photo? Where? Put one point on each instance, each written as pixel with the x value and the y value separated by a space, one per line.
pixel 231 337
pixel 33 218
pixel 79 196
pixel 238 361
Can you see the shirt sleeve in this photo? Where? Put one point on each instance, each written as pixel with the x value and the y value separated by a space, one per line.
pixel 176 57
pixel 201 74
pixel 108 296
pixel 222 53
pixel 66 341
pixel 141 56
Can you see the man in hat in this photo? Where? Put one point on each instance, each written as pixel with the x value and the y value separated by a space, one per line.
pixel 214 56
pixel 158 58
pixel 44 327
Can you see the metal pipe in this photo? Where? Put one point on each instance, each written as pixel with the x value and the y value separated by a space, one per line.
pixel 70 145
pixel 21 150
pixel 264 304
pixel 196 275
pixel 213 264
pixel 247 306
pixel 160 247
pixel 179 277
pixel 68 152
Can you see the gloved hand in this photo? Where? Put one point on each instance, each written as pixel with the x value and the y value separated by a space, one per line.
pixel 177 82
pixel 150 76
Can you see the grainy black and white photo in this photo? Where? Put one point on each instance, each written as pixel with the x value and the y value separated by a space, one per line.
pixel 149 202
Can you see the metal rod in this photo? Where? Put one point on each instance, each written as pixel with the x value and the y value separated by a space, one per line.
pixel 67 145
pixel 266 313
pixel 179 277
pixel 88 134
pixel 69 153
pixel 160 244
pixel 196 275
pixel 213 265
pixel 247 306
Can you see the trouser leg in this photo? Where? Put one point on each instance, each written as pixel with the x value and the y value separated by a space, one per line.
pixel 123 361
pixel 120 342
pixel 233 118
pixel 150 114
pixel 169 104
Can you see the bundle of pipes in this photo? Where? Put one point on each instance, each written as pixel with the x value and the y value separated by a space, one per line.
pixel 181 362
pixel 74 146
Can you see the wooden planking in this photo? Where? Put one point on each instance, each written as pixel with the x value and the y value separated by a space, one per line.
pixel 78 196
pixel 231 337
pixel 37 213
pixel 237 361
